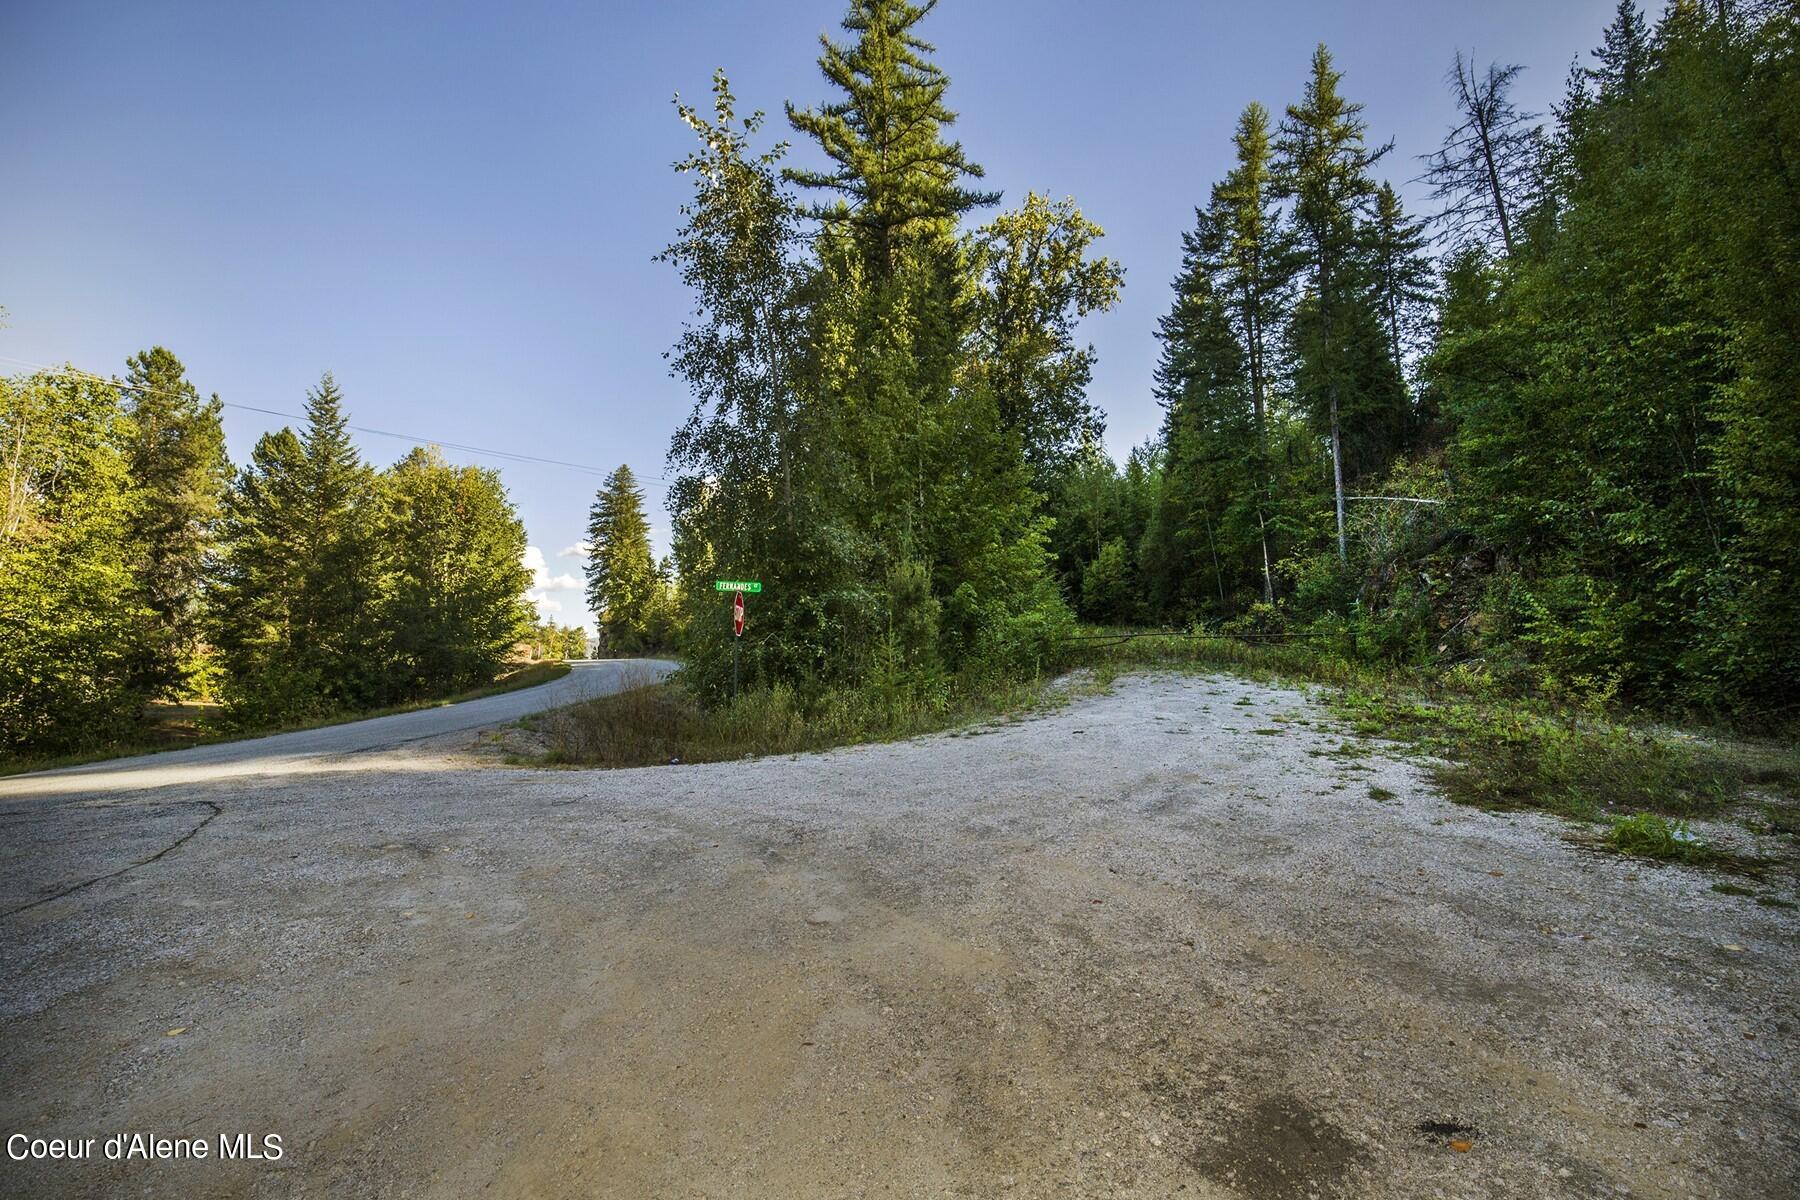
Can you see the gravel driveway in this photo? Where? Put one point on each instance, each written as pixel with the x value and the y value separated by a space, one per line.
pixel 1170 941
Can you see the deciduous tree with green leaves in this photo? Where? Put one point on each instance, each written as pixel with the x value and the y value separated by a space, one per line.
pixel 71 607
pixel 452 602
pixel 1039 279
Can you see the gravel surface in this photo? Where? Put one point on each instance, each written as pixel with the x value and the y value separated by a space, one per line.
pixel 1184 939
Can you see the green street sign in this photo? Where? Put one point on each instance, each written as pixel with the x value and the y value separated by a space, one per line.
pixel 737 585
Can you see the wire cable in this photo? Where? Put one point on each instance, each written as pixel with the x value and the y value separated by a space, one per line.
pixel 508 455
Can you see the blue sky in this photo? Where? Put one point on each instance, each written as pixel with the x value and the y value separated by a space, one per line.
pixel 453 207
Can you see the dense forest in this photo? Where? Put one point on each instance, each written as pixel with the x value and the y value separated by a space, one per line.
pixel 135 565
pixel 1546 433
pixel 1562 447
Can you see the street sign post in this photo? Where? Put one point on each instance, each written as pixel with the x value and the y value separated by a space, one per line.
pixel 737 588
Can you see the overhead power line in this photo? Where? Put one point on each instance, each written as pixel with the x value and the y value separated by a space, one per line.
pixel 508 455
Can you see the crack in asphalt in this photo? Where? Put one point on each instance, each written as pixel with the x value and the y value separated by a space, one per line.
pixel 142 862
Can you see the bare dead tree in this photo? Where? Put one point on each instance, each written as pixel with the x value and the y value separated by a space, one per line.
pixel 1484 172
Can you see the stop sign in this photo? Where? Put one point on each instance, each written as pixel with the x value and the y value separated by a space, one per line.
pixel 737 614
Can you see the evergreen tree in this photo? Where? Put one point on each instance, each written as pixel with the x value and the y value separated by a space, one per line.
pixel 296 618
pixel 179 468
pixel 926 477
pixel 897 180
pixel 1403 274
pixel 894 329
pixel 258 584
pixel 1242 244
pixel 1624 430
pixel 333 621
pixel 623 580
pixel 1210 515
pixel 876 394
pixel 1324 167
pixel 1623 54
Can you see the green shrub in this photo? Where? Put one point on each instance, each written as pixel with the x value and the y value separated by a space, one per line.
pixel 1651 836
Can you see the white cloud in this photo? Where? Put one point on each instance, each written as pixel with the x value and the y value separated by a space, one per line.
pixel 578 550
pixel 545 586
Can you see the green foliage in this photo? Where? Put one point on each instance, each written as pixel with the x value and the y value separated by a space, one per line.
pixel 1092 503
pixel 662 723
pixel 1527 753
pixel 1323 167
pixel 1604 432
pixel 625 585
pixel 1622 398
pixel 71 606
pixel 179 472
pixel 1106 585
pixel 1651 836
pixel 338 589
pixel 875 393
pixel 451 551
pixel 1038 281
pixel 897 181
pixel 295 602
pixel 314 587
pixel 550 640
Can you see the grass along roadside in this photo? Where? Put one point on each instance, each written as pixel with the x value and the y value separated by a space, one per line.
pixel 1641 787
pixel 660 723
pixel 176 726
pixel 1645 786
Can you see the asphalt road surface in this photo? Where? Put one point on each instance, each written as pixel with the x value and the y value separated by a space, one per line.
pixel 283 752
pixel 1185 939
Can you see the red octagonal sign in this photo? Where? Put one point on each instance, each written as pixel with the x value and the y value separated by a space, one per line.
pixel 737 614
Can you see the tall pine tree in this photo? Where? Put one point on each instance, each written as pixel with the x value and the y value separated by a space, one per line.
pixel 1324 167
pixel 179 468
pixel 624 584
pixel 1243 244
pixel 296 617
pixel 896 179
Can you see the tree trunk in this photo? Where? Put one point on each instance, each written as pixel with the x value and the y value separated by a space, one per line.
pixel 1262 529
pixel 1480 113
pixel 1218 571
pixel 1262 453
pixel 1337 479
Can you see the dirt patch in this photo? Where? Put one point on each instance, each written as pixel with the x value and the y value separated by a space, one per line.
pixel 1283 1150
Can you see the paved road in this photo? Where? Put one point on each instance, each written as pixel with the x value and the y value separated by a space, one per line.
pixel 285 752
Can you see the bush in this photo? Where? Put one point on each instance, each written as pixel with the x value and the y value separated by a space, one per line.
pixel 1651 836
pixel 1106 585
pixel 665 722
